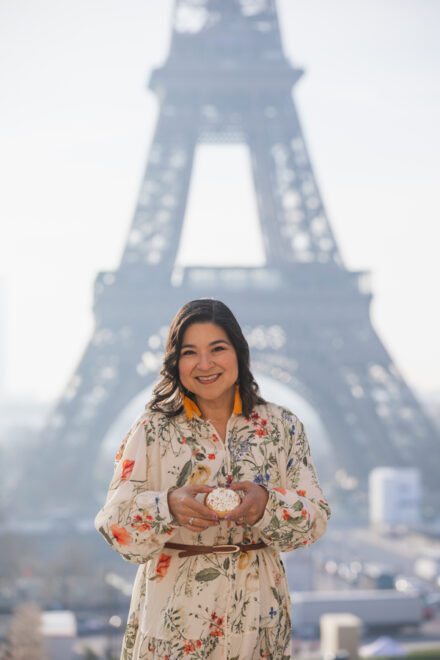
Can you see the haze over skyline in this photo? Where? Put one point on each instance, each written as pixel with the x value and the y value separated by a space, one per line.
pixel 76 128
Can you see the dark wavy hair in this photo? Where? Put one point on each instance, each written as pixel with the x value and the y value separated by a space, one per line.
pixel 167 393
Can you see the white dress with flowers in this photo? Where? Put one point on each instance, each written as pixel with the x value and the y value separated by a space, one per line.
pixel 228 606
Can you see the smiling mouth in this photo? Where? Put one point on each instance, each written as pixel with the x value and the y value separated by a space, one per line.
pixel 207 380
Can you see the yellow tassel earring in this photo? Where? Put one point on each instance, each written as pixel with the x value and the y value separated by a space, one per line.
pixel 190 406
pixel 238 405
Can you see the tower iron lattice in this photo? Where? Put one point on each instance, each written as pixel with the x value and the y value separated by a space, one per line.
pixel 306 316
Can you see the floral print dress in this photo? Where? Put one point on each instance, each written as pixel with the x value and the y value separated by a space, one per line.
pixel 218 606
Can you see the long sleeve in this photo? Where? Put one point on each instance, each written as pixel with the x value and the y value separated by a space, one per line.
pixel 297 515
pixel 134 520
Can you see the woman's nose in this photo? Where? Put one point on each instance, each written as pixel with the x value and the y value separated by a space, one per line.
pixel 205 361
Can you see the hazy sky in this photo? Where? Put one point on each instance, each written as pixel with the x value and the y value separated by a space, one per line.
pixel 76 123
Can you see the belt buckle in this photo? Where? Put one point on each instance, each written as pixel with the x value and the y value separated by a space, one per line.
pixel 232 546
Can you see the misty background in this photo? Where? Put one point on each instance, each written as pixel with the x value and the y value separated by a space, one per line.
pixel 76 125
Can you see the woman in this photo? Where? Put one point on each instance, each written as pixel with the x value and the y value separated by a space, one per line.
pixel 206 426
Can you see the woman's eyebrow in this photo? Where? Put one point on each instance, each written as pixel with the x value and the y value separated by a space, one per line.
pixel 216 341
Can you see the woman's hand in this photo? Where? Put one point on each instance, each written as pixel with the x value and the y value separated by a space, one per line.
pixel 188 511
pixel 252 505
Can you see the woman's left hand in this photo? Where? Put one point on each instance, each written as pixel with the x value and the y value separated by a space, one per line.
pixel 252 505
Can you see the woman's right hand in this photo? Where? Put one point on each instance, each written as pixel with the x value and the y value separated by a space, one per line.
pixel 188 511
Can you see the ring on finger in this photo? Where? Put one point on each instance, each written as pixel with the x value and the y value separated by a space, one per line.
pixel 191 520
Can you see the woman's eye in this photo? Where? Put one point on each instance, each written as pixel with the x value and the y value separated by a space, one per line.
pixel 219 348
pixel 187 352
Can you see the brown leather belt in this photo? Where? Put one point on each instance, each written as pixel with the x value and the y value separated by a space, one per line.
pixel 189 550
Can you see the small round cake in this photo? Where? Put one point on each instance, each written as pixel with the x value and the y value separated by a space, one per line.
pixel 222 500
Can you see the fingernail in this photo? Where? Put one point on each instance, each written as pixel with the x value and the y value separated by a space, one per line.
pixel 215 517
pixel 226 517
pixel 228 485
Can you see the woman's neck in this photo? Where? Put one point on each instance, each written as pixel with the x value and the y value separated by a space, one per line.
pixel 218 410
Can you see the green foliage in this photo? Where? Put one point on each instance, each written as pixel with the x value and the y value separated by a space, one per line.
pixel 89 654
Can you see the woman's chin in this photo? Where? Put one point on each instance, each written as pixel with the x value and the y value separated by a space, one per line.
pixel 211 395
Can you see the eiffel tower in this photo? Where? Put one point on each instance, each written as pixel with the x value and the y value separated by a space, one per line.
pixel 226 80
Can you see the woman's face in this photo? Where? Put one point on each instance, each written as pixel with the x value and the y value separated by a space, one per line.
pixel 208 364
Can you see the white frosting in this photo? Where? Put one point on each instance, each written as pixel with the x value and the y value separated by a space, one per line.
pixel 223 499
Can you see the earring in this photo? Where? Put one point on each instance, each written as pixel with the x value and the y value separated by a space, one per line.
pixel 238 405
pixel 190 406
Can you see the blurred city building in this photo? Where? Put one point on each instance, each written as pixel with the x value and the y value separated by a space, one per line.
pixel 395 497
pixel 59 630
